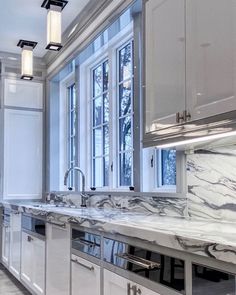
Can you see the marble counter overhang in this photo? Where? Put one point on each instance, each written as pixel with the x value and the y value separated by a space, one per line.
pixel 206 238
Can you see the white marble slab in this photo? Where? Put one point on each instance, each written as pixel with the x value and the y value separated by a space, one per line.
pixel 206 238
pixel 211 180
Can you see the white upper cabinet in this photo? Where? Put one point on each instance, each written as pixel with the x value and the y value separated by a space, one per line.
pixel 23 147
pixel 25 94
pixel 190 59
pixel 211 59
pixel 165 62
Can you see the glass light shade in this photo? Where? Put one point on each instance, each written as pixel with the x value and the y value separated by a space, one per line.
pixel 53 27
pixel 27 62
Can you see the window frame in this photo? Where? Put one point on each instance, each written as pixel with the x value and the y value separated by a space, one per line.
pixel 63 105
pixel 70 163
pixel 92 127
pixel 118 83
pixel 159 173
pixel 106 52
pixel 150 179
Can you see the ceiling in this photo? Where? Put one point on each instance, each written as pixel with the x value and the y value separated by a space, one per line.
pixel 25 19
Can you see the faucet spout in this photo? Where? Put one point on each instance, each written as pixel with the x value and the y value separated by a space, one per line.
pixel 83 195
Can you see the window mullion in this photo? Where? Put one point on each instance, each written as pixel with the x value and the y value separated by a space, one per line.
pixel 112 163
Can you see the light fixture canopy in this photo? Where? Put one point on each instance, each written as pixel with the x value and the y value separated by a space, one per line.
pixel 27 58
pixel 54 8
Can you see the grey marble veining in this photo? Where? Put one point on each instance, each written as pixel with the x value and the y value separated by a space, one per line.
pixel 211 179
pixel 206 238
pixel 175 207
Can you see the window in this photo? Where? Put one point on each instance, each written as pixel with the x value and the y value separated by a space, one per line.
pixel 104 73
pixel 71 131
pixel 100 125
pixel 166 168
pixel 125 114
pixel 119 103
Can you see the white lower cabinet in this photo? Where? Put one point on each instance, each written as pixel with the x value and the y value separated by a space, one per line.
pixel 58 260
pixel 117 285
pixel 5 244
pixel 33 263
pixel 15 243
pixel 85 277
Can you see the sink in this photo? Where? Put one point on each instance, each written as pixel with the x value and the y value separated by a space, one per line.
pixel 43 205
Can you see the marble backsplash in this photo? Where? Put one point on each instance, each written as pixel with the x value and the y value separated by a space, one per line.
pixel 164 206
pixel 211 194
pixel 211 179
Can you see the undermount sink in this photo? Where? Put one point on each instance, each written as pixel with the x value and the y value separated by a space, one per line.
pixel 43 205
pixel 53 206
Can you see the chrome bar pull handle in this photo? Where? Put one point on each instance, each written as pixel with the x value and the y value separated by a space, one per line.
pixel 179 117
pixel 63 225
pixel 131 289
pixel 186 116
pixel 91 268
pixel 146 264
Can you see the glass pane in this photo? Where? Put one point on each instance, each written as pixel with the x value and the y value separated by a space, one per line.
pixel 125 96
pixel 97 172
pixel 73 97
pixel 168 158
pixel 97 142
pixel 125 18
pixel 72 122
pixel 125 63
pixel 125 134
pixel 72 150
pixel 211 281
pixel 97 81
pixel 97 111
pixel 105 76
pixel 105 108
pixel 106 171
pixel 106 140
pixel 126 161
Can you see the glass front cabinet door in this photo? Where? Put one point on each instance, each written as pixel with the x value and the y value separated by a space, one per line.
pixel 206 280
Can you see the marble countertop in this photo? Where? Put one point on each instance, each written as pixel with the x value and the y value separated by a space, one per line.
pixel 206 238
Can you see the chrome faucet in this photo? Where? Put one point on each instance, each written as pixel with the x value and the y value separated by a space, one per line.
pixel 84 197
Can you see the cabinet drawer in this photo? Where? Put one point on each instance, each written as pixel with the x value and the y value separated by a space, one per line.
pixel 117 285
pixel 85 277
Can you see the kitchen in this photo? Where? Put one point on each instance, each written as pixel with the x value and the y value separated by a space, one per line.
pixel 117 144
